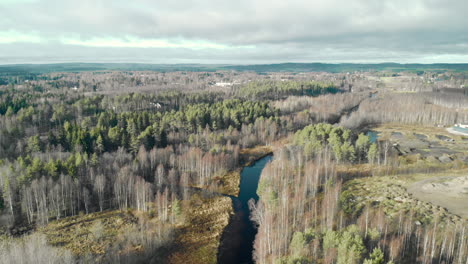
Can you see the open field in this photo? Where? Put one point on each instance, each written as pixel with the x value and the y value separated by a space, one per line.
pixel 110 236
pixel 450 192
pixel 147 166
pixel 409 193
pixel 197 240
pixel 438 192
pixel 195 237
pixel 434 144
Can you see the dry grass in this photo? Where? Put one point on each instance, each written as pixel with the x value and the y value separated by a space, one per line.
pixel 229 183
pixel 88 234
pixel 409 130
pixel 390 192
pixel 197 240
pixel 250 155
pixel 197 237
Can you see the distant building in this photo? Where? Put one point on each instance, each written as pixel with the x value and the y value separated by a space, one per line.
pixel 222 84
pixel 157 105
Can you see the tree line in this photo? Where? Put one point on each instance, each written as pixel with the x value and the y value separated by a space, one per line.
pixel 274 90
pixel 303 214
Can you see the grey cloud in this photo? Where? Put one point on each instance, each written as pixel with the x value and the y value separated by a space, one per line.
pixel 42 53
pixel 293 29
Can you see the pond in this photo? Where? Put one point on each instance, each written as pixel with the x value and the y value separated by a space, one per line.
pixel 373 136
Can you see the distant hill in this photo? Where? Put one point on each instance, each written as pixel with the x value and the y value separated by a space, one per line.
pixel 80 67
pixel 260 68
pixel 348 67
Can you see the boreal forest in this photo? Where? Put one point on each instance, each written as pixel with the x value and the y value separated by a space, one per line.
pixel 233 165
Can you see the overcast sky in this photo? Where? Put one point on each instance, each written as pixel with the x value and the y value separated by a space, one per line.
pixel 234 31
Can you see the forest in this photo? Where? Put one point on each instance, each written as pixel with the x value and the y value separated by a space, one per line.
pixel 260 68
pixel 104 165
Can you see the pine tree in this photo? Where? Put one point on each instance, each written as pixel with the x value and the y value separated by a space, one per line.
pixel 376 257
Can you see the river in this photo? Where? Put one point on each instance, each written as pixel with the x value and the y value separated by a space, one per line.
pixel 238 237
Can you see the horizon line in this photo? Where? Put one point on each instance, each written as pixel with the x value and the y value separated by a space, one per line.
pixel 228 64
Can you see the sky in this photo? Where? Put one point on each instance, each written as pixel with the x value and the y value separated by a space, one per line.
pixel 234 31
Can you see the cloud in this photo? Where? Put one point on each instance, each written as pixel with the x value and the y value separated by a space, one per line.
pixel 12 36
pixel 290 30
pixel 132 42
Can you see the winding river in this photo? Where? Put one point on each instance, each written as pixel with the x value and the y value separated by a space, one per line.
pixel 238 237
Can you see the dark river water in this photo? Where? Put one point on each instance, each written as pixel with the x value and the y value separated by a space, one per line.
pixel 238 237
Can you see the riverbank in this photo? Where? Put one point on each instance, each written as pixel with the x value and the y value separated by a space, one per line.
pixel 199 238
pixel 230 181
pixel 196 234
pixel 239 236
pixel 110 236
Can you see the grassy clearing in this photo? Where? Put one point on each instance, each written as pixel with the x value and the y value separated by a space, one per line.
pixel 407 180
pixel 409 131
pixel 390 192
pixel 110 235
pixel 425 153
pixel 197 234
pixel 197 240
pixel 88 234
pixel 250 155
pixel 229 182
pixel 426 146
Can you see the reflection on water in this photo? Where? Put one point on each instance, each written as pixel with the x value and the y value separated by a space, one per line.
pixel 373 136
pixel 238 237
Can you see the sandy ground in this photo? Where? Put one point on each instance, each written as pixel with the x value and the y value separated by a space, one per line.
pixel 450 192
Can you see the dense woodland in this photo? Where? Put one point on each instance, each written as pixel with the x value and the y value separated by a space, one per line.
pixel 76 143
pixel 306 216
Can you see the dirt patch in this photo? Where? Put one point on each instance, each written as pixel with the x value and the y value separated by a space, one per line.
pixel 450 192
pixel 431 143
pixel 401 194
